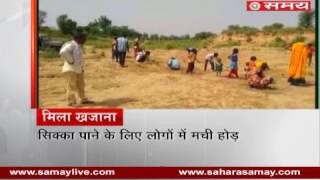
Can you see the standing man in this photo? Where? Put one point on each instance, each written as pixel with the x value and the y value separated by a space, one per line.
pixel 123 48
pixel 71 53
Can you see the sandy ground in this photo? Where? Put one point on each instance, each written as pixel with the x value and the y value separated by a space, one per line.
pixel 152 85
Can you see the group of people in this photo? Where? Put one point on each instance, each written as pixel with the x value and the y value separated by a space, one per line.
pixel 120 48
pixel 73 68
pixel 212 58
pixel 254 69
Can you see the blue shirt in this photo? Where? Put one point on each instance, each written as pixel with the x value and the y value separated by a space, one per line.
pixel 122 44
pixel 174 64
pixel 234 61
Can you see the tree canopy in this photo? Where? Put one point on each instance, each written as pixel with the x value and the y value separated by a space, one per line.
pixel 306 19
pixel 66 25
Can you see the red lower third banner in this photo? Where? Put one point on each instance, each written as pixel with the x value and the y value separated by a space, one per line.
pixel 160 172
pixel 79 117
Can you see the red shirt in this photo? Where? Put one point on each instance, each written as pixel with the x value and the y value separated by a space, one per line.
pixel 310 50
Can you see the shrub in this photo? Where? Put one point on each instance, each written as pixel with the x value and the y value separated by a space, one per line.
pixel 169 46
pixel 298 39
pixel 278 42
pixel 204 35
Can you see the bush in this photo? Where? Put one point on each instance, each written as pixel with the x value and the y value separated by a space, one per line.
pixel 204 35
pixel 298 39
pixel 236 29
pixel 278 42
pixel 273 28
pixel 290 30
pixel 169 46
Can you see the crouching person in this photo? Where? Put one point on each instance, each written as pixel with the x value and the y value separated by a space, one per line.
pixel 257 78
pixel 71 53
pixel 174 64
pixel 142 56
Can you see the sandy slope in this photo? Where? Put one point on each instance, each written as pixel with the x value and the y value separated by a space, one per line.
pixel 152 85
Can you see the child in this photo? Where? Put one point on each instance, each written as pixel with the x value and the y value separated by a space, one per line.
pixel 192 57
pixel 218 67
pixel 234 64
pixel 250 65
pixel 310 49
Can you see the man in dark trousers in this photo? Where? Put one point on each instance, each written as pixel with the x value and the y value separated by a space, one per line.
pixel 123 48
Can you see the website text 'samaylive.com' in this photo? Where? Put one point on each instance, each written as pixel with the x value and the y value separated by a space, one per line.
pixel 63 172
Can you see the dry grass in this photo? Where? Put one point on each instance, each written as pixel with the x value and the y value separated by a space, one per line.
pixel 152 85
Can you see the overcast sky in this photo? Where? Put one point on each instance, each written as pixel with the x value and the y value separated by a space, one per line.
pixel 165 16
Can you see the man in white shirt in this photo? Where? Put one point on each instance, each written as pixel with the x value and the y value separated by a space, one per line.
pixel 209 59
pixel 71 53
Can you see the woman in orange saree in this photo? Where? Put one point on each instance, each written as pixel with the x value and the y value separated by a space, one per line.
pixel 298 64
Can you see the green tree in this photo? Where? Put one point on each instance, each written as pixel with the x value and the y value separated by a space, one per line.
pixel 145 36
pixel 66 25
pixel 104 23
pixel 101 25
pixel 93 28
pixel 154 36
pixel 186 36
pixel 203 35
pixel 273 28
pixel 306 19
pixel 234 27
pixel 42 15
